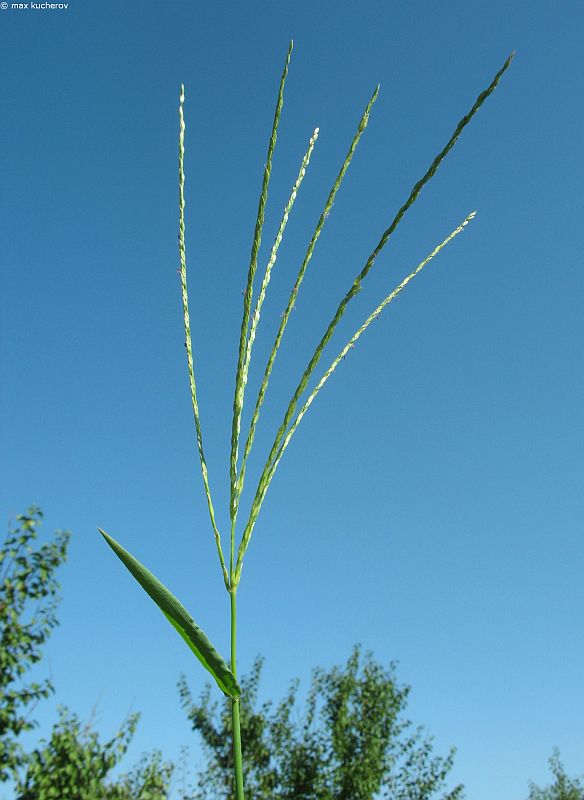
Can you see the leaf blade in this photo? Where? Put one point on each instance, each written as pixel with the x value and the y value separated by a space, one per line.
pixel 179 618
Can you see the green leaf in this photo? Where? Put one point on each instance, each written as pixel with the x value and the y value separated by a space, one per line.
pixel 179 618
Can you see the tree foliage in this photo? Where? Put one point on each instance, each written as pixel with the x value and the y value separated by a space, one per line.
pixel 28 600
pixel 351 743
pixel 74 765
pixel 563 787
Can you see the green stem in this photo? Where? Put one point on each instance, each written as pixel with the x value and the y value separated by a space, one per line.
pixel 237 759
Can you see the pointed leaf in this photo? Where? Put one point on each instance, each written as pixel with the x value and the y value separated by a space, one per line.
pixel 179 618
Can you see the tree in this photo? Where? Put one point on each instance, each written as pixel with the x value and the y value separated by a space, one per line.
pixel 563 787
pixel 74 765
pixel 149 779
pixel 351 743
pixel 28 600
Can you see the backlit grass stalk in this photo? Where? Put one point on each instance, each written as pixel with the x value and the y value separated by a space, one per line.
pixel 240 383
pixel 175 612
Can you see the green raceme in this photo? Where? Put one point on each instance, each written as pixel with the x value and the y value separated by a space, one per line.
pixel 179 618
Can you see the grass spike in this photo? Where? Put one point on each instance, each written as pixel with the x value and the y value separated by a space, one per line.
pixel 294 293
pixel 355 288
pixel 266 280
pixel 187 326
pixel 371 318
pixel 350 344
pixel 239 378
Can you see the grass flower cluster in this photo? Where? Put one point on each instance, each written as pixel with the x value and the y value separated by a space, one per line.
pixel 225 674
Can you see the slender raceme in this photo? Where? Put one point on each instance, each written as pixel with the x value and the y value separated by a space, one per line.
pixel 371 318
pixel 187 325
pixel 266 474
pixel 294 293
pixel 350 344
pixel 240 376
pixel 267 275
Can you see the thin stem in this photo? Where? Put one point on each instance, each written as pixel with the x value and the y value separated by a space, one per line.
pixel 237 757
pixel 187 324
pixel 232 555
pixel 267 473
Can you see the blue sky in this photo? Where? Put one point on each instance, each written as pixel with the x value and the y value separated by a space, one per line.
pixel 430 505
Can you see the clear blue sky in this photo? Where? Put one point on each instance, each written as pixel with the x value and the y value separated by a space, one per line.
pixel 431 504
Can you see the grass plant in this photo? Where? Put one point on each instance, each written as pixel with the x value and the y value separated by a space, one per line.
pixel 225 674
